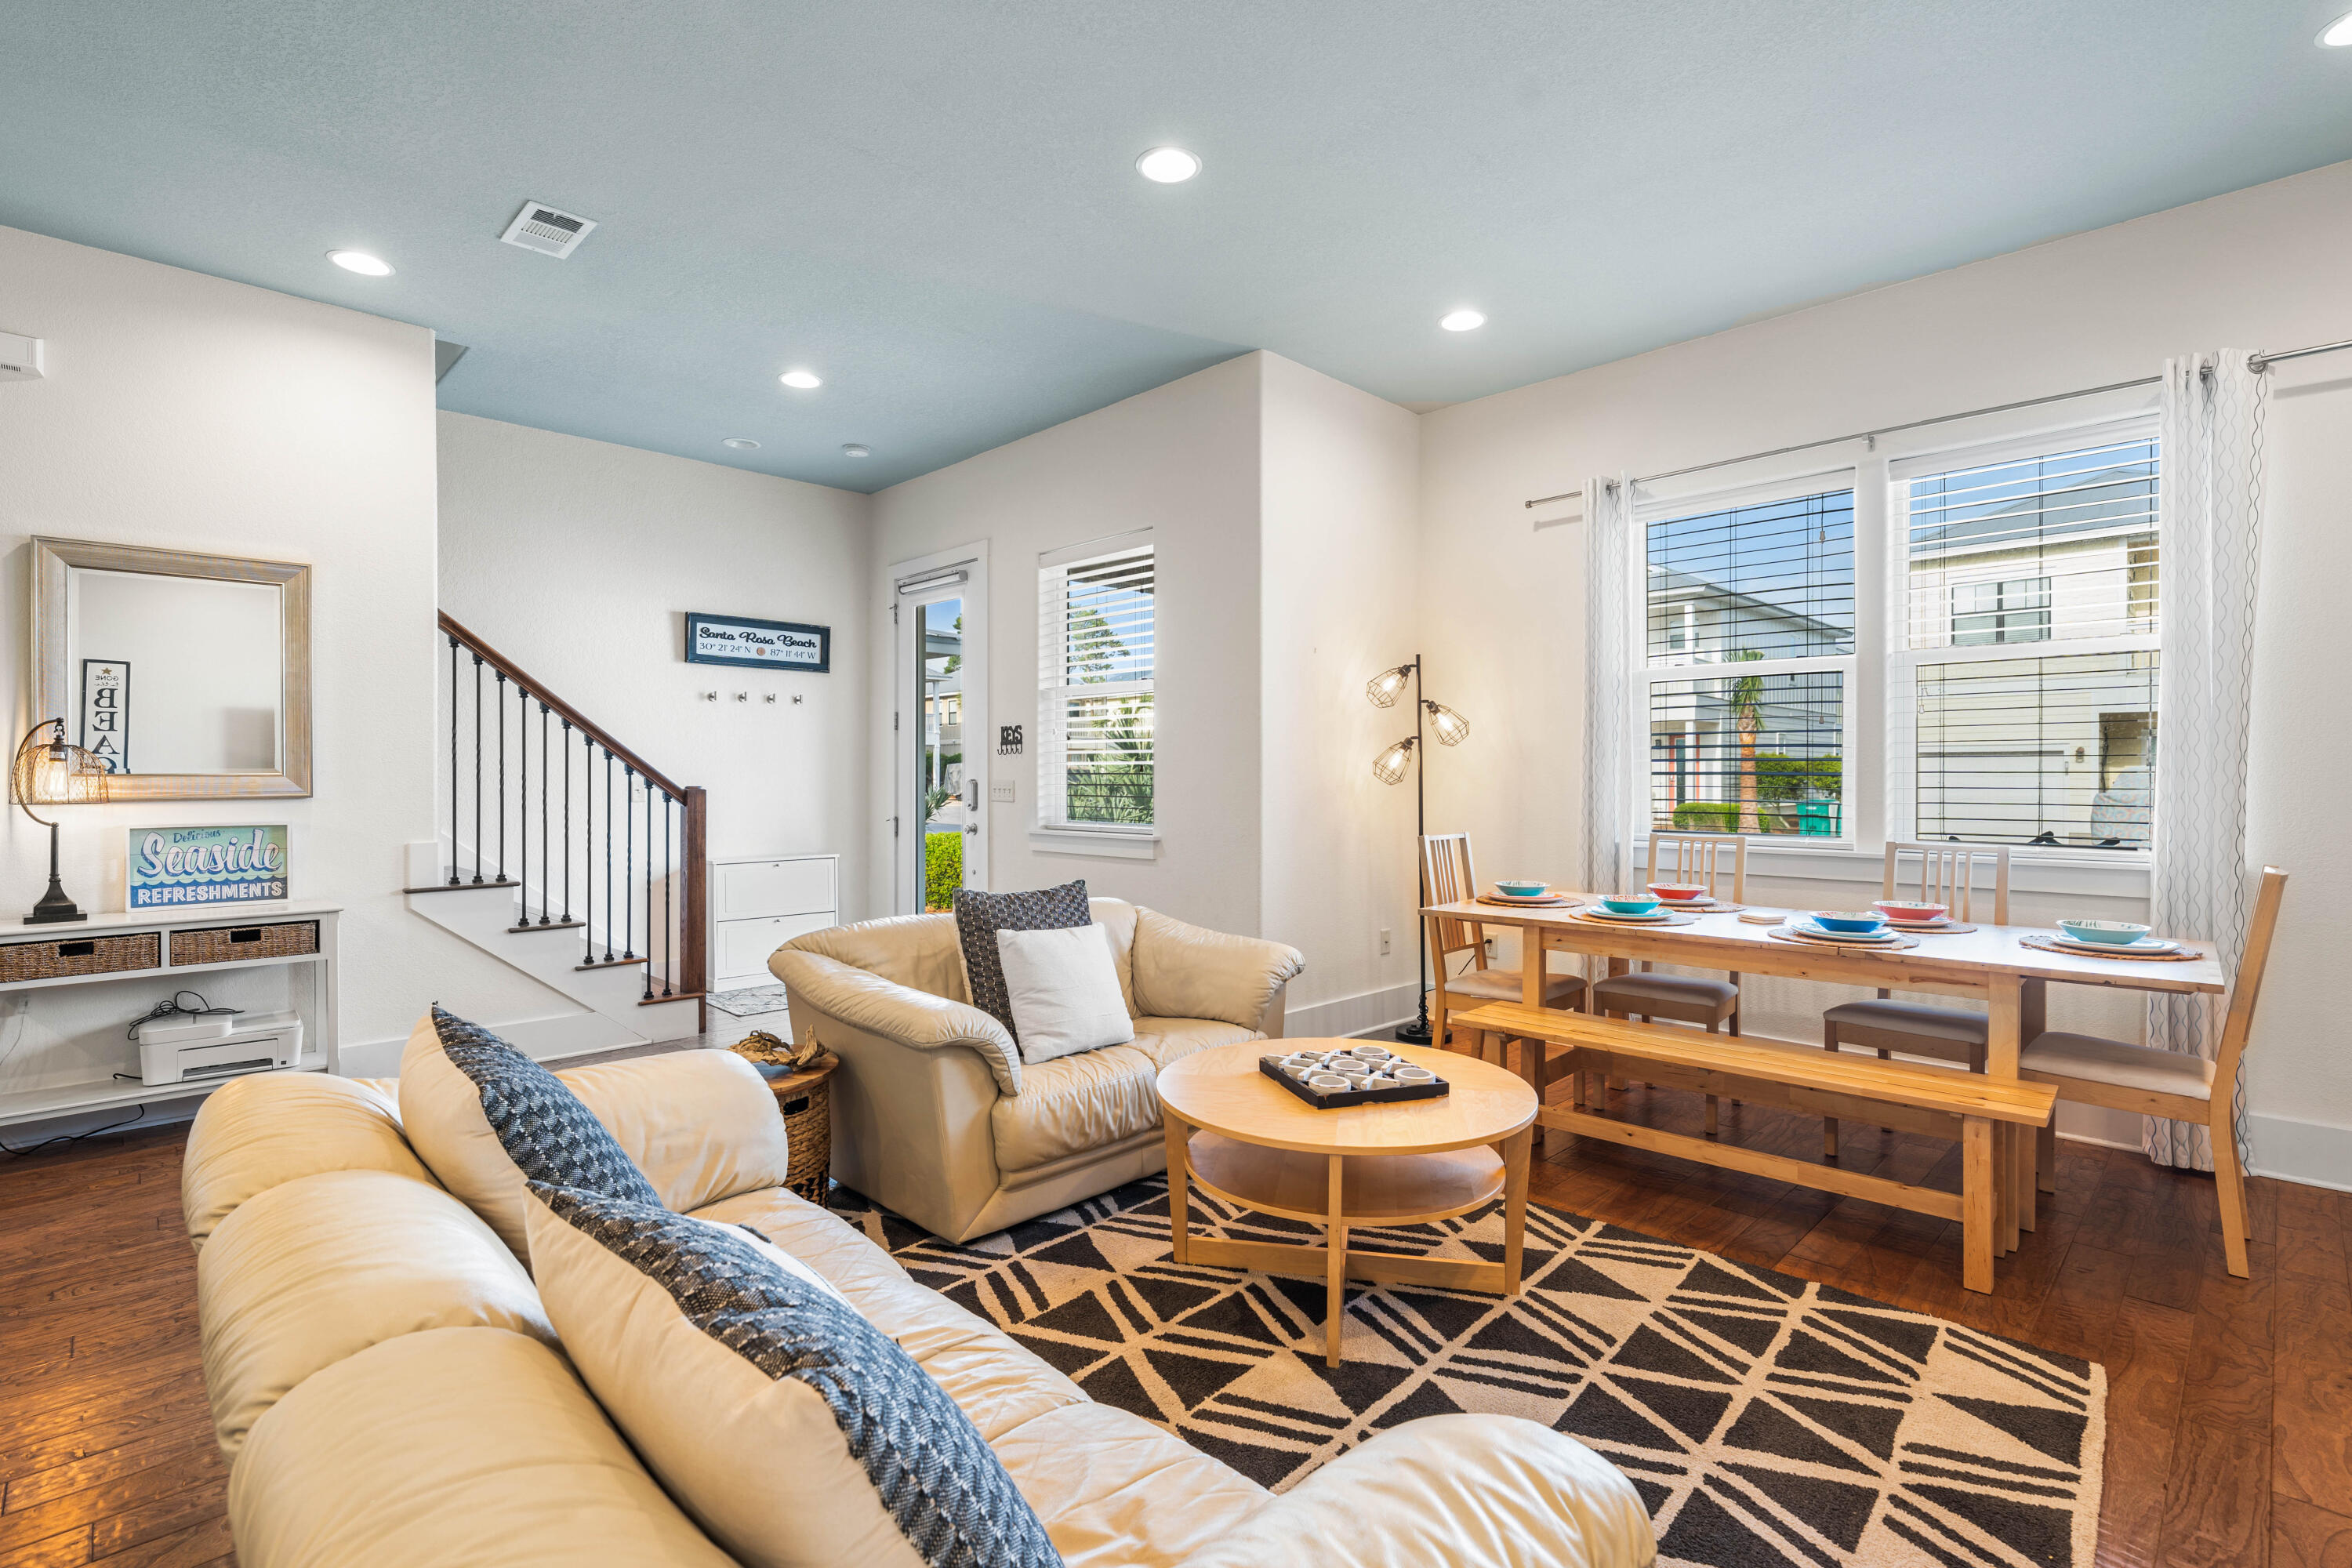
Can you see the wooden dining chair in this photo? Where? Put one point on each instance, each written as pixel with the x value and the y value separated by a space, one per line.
pixel 1948 876
pixel 1699 859
pixel 1448 877
pixel 2089 1071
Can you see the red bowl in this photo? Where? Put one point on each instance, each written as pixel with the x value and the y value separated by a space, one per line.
pixel 1678 892
pixel 1909 910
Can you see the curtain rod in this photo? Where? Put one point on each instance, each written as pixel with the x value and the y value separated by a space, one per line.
pixel 2257 362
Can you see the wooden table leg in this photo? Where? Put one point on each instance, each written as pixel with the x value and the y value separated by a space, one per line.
pixel 1180 1226
pixel 1437 1008
pixel 1976 1203
pixel 1336 1246
pixel 1515 1150
pixel 2032 1017
pixel 1617 966
pixel 2005 1006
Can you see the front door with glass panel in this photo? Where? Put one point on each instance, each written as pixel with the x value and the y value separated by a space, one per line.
pixel 940 748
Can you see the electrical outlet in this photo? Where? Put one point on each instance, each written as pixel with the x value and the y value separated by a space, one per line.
pixel 1492 951
pixel 1384 941
pixel 1001 793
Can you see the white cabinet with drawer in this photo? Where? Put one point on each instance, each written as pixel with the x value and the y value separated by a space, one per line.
pixel 757 903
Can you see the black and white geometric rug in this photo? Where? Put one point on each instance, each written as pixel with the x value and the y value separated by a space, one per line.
pixel 1766 1419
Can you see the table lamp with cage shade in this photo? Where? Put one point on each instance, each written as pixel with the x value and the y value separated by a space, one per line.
pixel 1389 767
pixel 54 772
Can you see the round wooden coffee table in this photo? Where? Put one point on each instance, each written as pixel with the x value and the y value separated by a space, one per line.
pixel 1241 1135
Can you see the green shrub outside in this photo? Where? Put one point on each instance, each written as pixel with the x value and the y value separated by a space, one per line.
pixel 942 869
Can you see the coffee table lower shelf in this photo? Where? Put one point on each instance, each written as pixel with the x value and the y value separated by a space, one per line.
pixel 1344 1192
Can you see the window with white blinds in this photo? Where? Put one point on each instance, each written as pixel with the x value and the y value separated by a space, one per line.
pixel 1095 658
pixel 2030 586
pixel 1747 662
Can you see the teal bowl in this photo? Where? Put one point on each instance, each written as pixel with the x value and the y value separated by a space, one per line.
pixel 1849 922
pixel 1629 903
pixel 2112 933
pixel 1523 890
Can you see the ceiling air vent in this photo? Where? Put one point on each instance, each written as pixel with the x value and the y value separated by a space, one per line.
pixel 550 233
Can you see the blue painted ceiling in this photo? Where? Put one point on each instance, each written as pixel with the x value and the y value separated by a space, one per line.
pixel 934 205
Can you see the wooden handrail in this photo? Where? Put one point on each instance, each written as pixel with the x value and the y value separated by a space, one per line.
pixel 579 720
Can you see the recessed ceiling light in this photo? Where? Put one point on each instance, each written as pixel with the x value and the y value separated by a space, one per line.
pixel 1167 165
pixel 1461 320
pixel 361 262
pixel 856 449
pixel 2340 32
pixel 803 379
pixel 741 442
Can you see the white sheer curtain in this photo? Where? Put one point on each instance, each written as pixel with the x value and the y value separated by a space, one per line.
pixel 1610 547
pixel 2211 512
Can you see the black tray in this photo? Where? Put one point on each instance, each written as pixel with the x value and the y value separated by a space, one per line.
pixel 1331 1100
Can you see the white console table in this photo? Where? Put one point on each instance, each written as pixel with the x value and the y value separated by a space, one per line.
pixel 757 903
pixel 321 1040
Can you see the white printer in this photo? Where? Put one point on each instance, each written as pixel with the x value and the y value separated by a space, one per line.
pixel 181 1048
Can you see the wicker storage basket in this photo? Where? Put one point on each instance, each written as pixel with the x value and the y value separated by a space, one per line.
pixel 804 1098
pixel 79 955
pixel 225 945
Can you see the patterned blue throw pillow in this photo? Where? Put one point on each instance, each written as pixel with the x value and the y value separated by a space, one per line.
pixel 761 1396
pixel 542 1126
pixel 979 916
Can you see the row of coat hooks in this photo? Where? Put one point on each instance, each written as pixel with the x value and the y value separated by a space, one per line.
pixel 767 697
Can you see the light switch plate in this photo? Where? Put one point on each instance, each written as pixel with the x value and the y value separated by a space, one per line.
pixel 1000 792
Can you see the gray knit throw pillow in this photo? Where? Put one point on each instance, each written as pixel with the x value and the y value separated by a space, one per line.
pixel 542 1126
pixel 979 916
pixel 929 1467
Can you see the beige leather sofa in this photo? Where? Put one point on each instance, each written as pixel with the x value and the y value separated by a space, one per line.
pixel 389 1392
pixel 935 1117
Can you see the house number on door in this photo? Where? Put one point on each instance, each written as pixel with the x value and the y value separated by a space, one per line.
pixel 1008 740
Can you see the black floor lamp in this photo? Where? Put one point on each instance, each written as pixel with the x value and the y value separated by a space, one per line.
pixel 1451 730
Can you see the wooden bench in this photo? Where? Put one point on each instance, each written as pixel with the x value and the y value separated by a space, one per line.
pixel 1937 1101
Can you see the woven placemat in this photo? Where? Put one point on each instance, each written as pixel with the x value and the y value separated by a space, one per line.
pixel 1711 907
pixel 1623 924
pixel 1526 903
pixel 1785 934
pixel 1953 929
pixel 2049 944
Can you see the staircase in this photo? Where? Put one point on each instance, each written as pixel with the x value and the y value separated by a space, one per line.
pixel 569 857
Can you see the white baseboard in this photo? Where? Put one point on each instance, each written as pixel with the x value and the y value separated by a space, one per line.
pixel 2312 1152
pixel 542 1039
pixel 1350 1016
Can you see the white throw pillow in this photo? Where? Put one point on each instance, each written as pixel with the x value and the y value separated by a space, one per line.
pixel 1064 987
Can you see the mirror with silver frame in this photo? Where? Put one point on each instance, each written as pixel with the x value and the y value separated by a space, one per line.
pixel 189 675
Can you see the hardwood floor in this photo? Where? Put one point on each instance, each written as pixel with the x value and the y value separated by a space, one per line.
pixel 2229 1402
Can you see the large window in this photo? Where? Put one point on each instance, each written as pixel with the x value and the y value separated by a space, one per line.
pixel 1096 651
pixel 2053 745
pixel 1761 597
pixel 1962 647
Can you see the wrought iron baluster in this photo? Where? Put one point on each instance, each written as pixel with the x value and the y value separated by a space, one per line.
pixel 478 769
pixel 567 822
pixel 628 864
pixel 501 704
pixel 608 855
pixel 670 930
pixel 454 878
pixel 522 802
pixel 546 866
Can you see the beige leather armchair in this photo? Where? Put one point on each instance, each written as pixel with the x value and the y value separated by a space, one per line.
pixel 935 1117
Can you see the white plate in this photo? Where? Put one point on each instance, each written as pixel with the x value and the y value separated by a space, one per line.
pixel 1597 912
pixel 1807 927
pixel 2106 949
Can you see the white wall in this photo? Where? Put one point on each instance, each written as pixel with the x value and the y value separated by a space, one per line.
pixel 187 413
pixel 2263 268
pixel 1339 475
pixel 579 560
pixel 1182 461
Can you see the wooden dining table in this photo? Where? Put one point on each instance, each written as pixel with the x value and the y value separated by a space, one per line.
pixel 1988 962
